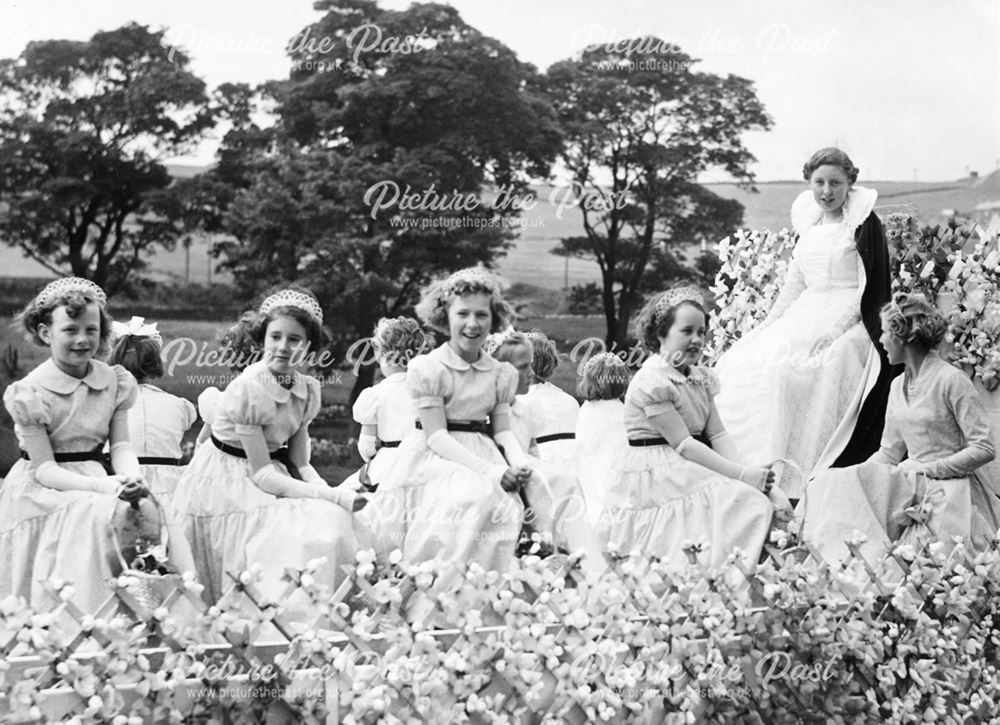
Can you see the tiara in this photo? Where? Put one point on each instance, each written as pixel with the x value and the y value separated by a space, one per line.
pixel 469 276
pixel 672 298
pixel 61 287
pixel 136 327
pixel 292 298
pixel 603 357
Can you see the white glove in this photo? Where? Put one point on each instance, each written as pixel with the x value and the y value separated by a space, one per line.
pixel 51 474
pixel 366 446
pixel 445 445
pixel 512 449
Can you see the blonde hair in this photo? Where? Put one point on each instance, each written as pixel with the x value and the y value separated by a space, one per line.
pixel 437 298
pixel 913 320
pixel 604 377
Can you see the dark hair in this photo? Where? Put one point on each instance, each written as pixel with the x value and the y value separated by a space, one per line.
pixel 75 302
pixel 438 296
pixel 604 377
pixel 545 355
pixel 912 320
pixel 243 342
pixel 830 156
pixel 139 355
pixel 650 326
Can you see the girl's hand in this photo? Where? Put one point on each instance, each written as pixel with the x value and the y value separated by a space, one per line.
pixel 346 498
pixel 759 477
pixel 821 344
pixel 514 479
pixel 913 466
pixel 131 490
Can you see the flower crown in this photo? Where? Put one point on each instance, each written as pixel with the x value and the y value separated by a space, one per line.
pixel 136 327
pixel 472 276
pixel 293 298
pixel 671 298
pixel 61 287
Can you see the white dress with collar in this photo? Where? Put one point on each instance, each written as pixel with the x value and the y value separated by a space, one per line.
pixel 61 534
pixel 230 522
pixel 658 501
pixel 776 400
pixel 435 509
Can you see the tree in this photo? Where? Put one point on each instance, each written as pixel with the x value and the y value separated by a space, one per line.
pixel 82 126
pixel 638 131
pixel 455 113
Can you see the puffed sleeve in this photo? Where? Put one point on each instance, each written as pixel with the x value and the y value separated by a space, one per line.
pixel 128 389
pixel 653 395
pixel 248 404
pixel 27 404
pixel 365 410
pixel 506 387
pixel 208 403
pixel 188 413
pixel 314 400
pixel 428 382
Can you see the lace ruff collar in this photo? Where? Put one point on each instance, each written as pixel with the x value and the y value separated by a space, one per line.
pixel 807 213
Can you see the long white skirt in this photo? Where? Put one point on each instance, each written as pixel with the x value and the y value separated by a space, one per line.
pixel 777 401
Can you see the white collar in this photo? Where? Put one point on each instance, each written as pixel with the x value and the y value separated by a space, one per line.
pixel 50 377
pixel 260 372
pixel 449 357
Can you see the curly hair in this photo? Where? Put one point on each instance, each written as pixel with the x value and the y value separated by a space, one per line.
pixel 139 355
pixel 651 323
pixel 400 339
pixel 830 156
pixel 912 320
pixel 75 301
pixel 438 296
pixel 545 355
pixel 604 377
pixel 504 350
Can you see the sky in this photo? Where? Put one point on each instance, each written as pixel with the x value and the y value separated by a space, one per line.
pixel 909 88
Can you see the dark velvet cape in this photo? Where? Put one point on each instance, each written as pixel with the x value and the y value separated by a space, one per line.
pixel 871 245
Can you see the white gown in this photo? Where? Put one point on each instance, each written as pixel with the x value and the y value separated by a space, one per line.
pixel 777 401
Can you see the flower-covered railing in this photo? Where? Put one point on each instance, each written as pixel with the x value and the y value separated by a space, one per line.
pixel 911 638
pixel 957 267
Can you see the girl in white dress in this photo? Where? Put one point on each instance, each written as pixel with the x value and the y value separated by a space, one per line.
pixel 924 481
pixel 452 496
pixel 557 505
pixel 810 384
pixel 556 439
pixel 56 504
pixel 385 410
pixel 681 479
pixel 158 420
pixel 600 429
pixel 249 495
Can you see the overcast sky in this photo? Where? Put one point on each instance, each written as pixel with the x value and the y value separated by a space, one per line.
pixel 910 88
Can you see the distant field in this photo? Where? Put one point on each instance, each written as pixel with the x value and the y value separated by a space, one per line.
pixel 531 262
